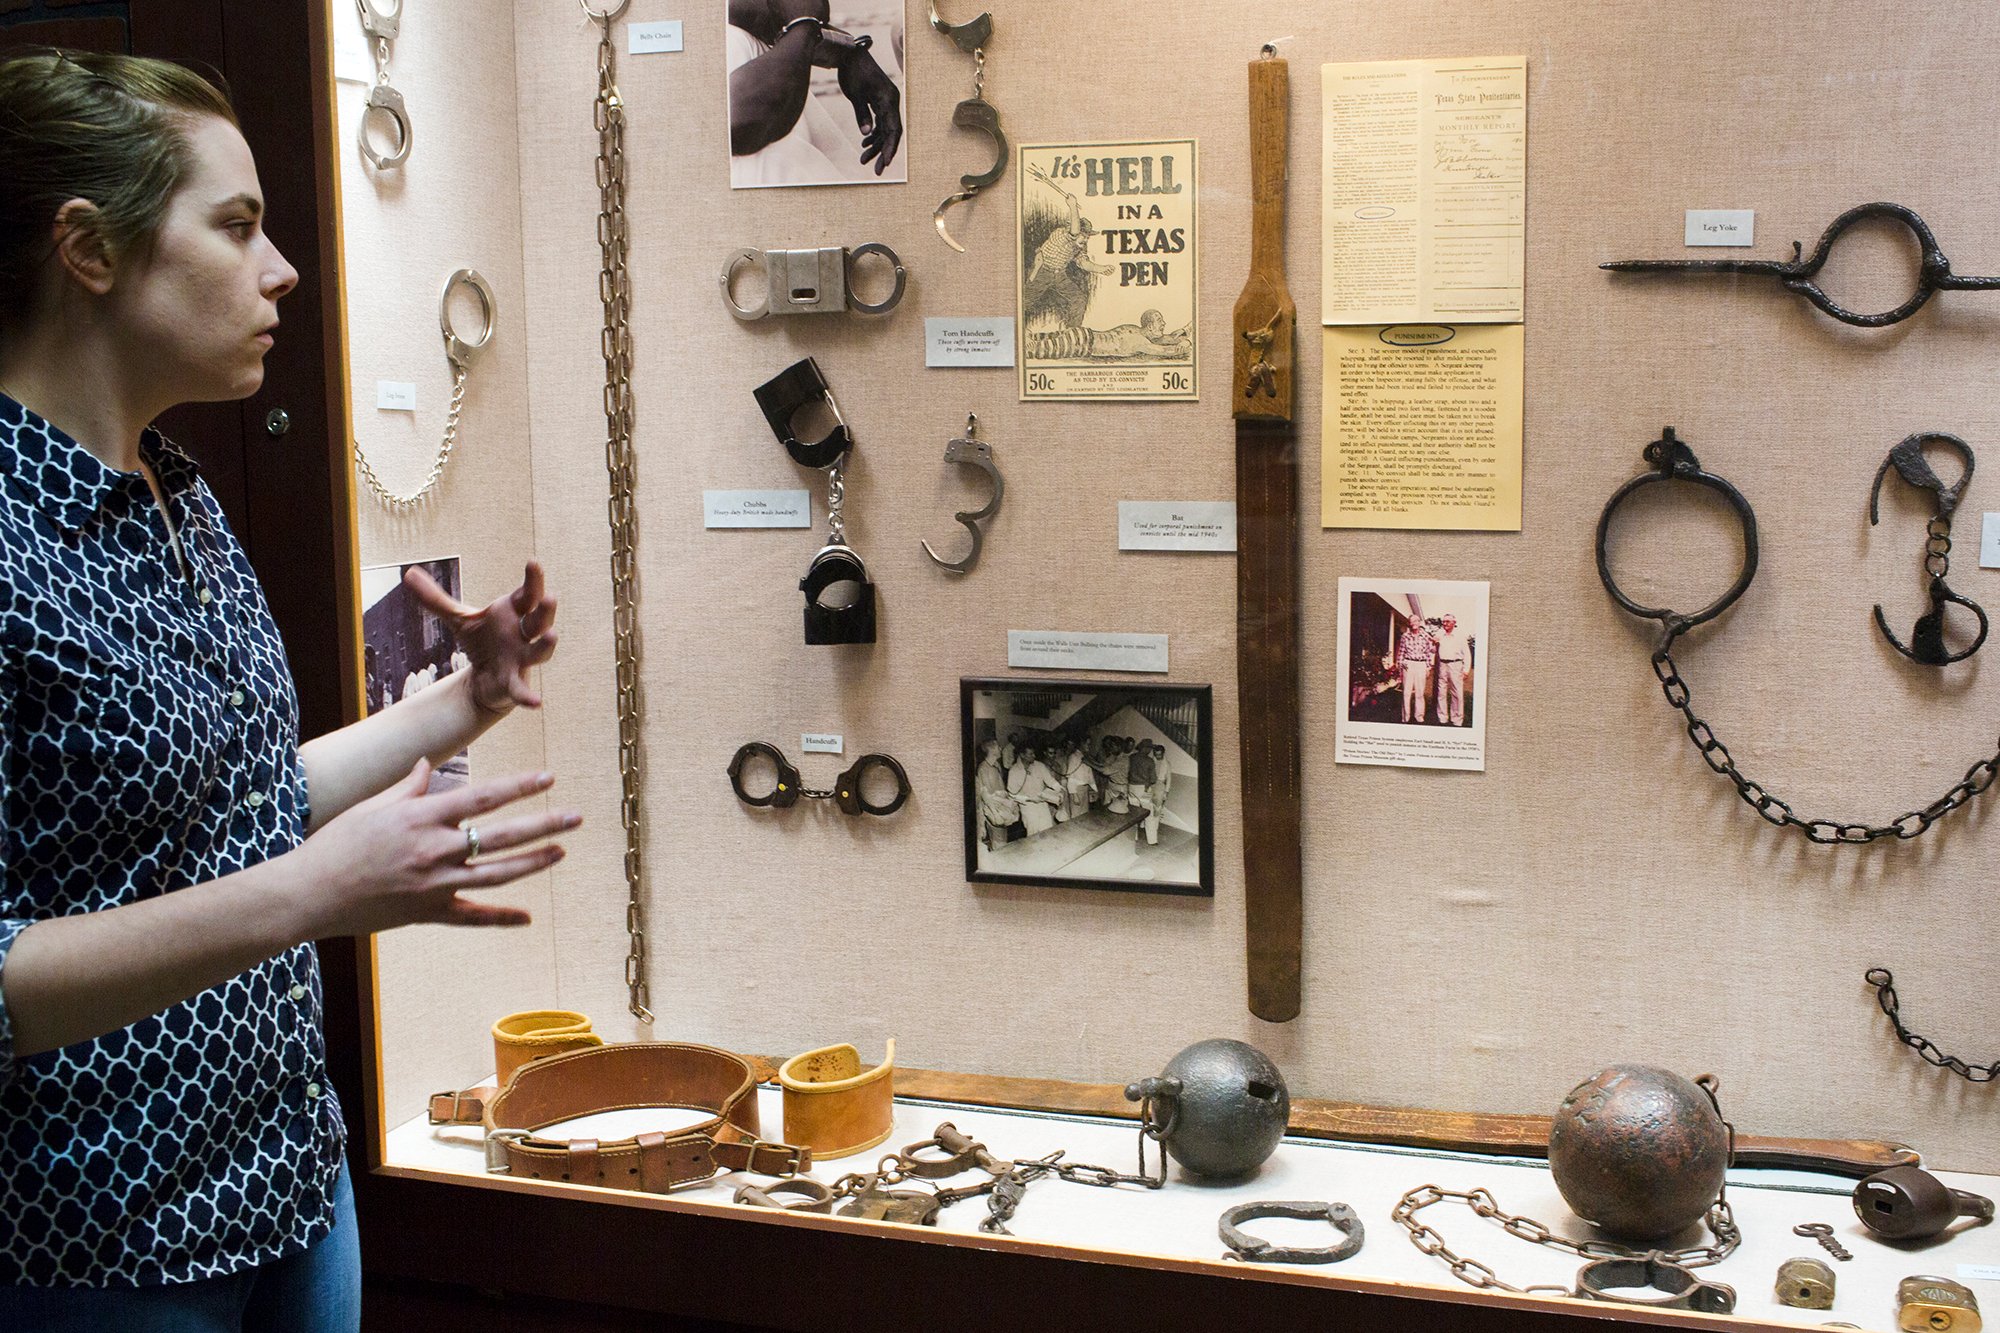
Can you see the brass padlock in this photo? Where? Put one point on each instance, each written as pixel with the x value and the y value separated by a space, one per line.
pixel 1935 1305
pixel 1805 1284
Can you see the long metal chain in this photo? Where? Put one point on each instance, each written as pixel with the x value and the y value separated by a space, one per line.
pixel 1776 811
pixel 614 288
pixel 1721 1221
pixel 1884 982
pixel 391 498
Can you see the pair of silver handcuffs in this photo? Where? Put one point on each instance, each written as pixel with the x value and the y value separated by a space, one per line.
pixel 382 23
pixel 974 113
pixel 788 786
pixel 811 282
pixel 837 564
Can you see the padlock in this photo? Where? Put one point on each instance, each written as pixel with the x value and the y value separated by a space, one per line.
pixel 1805 1284
pixel 1927 1304
pixel 1909 1203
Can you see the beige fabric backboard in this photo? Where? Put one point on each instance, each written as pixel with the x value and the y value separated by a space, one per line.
pixel 1476 941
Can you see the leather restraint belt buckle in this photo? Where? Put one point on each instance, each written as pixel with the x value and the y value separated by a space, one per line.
pixel 834 1106
pixel 1254 1251
pixel 625 1077
pixel 1680 1288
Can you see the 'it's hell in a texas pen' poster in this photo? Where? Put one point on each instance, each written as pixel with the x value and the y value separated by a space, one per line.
pixel 1107 276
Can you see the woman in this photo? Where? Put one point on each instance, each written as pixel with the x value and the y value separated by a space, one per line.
pixel 170 1154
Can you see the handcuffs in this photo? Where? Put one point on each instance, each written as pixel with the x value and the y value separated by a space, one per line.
pixel 383 26
pixel 837 563
pixel 845 793
pixel 974 113
pixel 811 282
pixel 1251 1250
pixel 973 452
pixel 1796 275
pixel 1907 458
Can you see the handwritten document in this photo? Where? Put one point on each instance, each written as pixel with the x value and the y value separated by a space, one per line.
pixel 1425 190
pixel 1422 427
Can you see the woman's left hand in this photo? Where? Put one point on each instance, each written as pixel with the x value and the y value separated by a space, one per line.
pixel 503 641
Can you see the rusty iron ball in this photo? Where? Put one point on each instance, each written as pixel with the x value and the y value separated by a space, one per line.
pixel 1639 1151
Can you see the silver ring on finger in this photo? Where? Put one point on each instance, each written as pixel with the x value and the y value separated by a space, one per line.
pixel 471 841
pixel 526 637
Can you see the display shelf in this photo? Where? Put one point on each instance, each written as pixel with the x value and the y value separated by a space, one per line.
pixel 1177 1223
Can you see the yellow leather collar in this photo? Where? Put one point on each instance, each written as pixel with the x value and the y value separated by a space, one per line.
pixel 833 1105
pixel 535 1033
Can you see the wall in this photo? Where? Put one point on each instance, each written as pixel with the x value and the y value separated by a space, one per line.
pixel 1595 895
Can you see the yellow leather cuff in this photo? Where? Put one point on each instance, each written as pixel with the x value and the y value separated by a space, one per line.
pixel 519 1038
pixel 833 1105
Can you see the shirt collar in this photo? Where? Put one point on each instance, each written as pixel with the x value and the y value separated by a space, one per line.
pixel 68 481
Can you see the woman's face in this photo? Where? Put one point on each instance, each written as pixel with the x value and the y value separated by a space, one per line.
pixel 199 309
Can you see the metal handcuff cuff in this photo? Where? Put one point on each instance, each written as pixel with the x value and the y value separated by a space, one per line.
pixel 971 451
pixel 458 352
pixel 811 282
pixel 383 25
pixel 974 113
pixel 1672 460
pixel 789 787
pixel 1796 275
pixel 1250 1250
pixel 1927 639
pixel 782 397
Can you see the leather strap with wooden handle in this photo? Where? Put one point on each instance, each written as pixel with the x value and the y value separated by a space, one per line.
pixel 1399 1126
pixel 1267 568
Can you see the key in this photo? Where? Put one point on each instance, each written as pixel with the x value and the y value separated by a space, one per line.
pixel 1823 1233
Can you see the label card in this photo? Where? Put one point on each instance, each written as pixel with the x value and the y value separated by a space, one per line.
pixel 966 340
pixel 820 742
pixel 1063 650
pixel 644 39
pixel 757 509
pixel 395 396
pixel 1979 1272
pixel 1721 226
pixel 353 61
pixel 1989 542
pixel 1176 525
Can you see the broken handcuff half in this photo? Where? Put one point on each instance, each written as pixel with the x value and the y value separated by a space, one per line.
pixel 1927 638
pixel 788 786
pixel 837 566
pixel 1250 1250
pixel 1796 275
pixel 974 113
pixel 972 451
pixel 811 282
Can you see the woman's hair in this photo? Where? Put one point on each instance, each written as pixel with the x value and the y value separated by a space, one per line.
pixel 86 125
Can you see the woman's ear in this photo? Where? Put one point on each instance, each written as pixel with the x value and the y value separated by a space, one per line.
pixel 81 248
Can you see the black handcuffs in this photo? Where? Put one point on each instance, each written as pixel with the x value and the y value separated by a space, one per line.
pixel 781 398
pixel 845 793
pixel 1251 1250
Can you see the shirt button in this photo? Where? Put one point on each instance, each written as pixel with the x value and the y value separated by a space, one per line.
pixel 254 799
pixel 312 1090
pixel 204 596
pixel 298 992
pixel 236 698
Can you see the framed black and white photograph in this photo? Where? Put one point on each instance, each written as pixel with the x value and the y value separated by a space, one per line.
pixel 814 103
pixel 1088 785
pixel 406 648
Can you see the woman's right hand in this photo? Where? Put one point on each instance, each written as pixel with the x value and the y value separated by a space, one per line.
pixel 400 857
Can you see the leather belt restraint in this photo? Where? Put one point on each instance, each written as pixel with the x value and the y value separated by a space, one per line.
pixel 782 398
pixel 623 1077
pixel 834 1106
pixel 536 1034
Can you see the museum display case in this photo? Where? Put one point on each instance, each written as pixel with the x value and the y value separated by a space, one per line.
pixel 1302 685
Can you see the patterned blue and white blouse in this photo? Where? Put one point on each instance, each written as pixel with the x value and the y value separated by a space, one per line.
pixel 149 740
